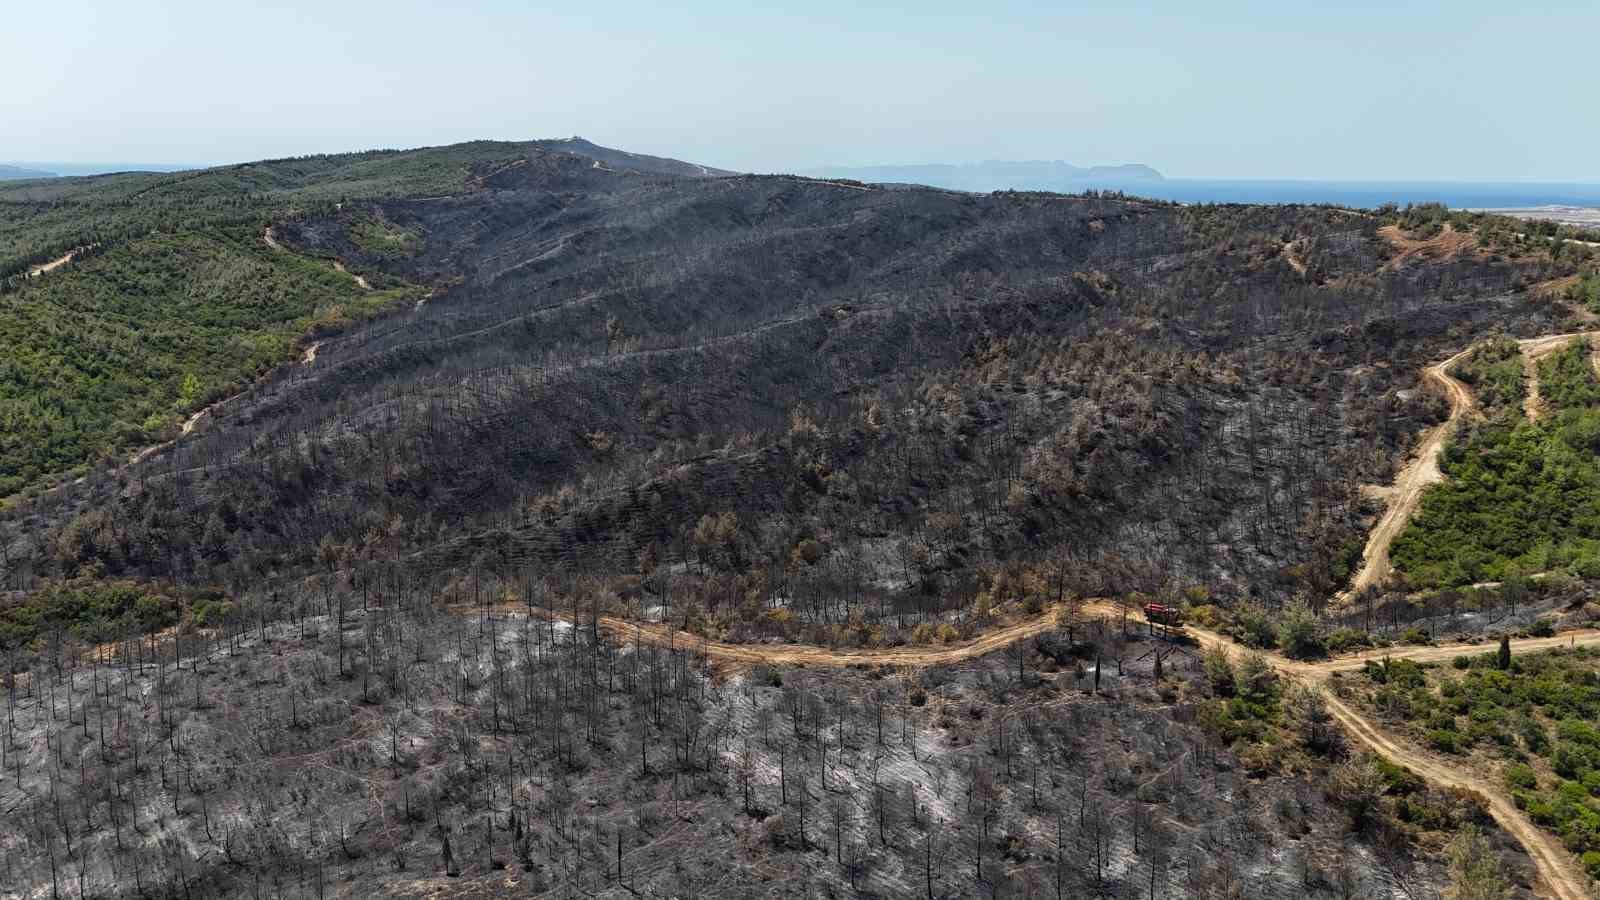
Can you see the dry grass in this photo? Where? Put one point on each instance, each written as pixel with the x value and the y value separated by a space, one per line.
pixel 1447 244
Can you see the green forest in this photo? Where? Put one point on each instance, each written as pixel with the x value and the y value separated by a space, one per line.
pixel 94 610
pixel 40 220
pixel 112 352
pixel 1519 497
pixel 1567 378
pixel 1494 370
pixel 173 300
pixel 1586 290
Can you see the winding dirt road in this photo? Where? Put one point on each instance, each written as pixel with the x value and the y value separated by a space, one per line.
pixel 361 280
pixel 1423 469
pixel 737 655
pixel 1559 874
pixel 1293 258
pixel 189 424
pixel 1413 480
pixel 271 240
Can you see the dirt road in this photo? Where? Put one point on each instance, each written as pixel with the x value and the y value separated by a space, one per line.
pixel 271 240
pixel 191 423
pixel 52 265
pixel 1423 469
pixel 1560 876
pixel 1414 479
pixel 1292 257
pixel 1558 872
pixel 307 358
pixel 741 655
pixel 361 280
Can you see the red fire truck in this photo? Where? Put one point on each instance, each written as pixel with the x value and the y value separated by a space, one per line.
pixel 1167 617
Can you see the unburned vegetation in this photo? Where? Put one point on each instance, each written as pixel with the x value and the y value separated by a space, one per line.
pixel 1518 495
pixel 1530 717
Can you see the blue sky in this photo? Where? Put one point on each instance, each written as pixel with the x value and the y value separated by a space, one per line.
pixel 1464 90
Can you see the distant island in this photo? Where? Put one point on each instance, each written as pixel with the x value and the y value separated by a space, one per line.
pixel 44 168
pixel 13 173
pixel 997 175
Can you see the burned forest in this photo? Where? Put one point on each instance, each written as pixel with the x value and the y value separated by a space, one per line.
pixel 614 526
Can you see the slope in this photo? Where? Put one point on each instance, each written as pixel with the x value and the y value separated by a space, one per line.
pixel 164 256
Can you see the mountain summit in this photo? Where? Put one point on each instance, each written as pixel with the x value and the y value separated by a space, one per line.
pixel 621 159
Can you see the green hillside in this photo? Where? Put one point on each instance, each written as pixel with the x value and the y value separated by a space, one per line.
pixel 173 299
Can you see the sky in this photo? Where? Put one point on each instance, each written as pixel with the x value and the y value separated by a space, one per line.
pixel 1465 90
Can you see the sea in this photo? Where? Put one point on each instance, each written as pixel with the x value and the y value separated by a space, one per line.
pixel 1364 194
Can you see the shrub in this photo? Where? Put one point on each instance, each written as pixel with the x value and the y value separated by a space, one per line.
pixel 1445 741
pixel 1416 636
pixel 1357 786
pixel 1219 672
pixel 1519 775
pixel 1402 673
pixel 1514 501
pixel 1253 627
pixel 1475 868
pixel 97 610
pixel 1341 640
pixel 1591 863
pixel 1260 759
pixel 1204 616
pixel 1441 720
pixel 1566 378
pixel 1300 635
pixel 1254 679
pixel 1542 628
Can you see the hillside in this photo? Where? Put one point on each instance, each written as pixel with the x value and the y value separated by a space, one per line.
pixel 338 482
pixel 917 387
pixel 175 300
pixel 921 385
